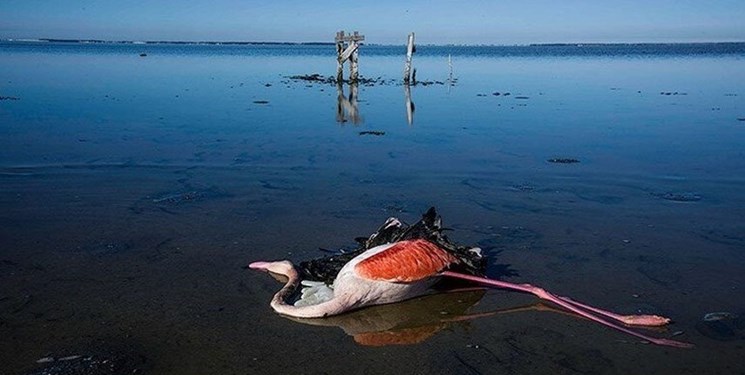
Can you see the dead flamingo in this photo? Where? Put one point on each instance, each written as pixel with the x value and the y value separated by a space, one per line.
pixel 407 268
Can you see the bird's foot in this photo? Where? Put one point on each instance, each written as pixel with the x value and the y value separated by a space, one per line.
pixel 644 320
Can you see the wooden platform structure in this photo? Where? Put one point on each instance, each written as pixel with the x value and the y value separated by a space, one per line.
pixel 347 46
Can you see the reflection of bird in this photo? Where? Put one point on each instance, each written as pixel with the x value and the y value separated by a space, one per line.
pixel 405 267
pixel 416 320
pixel 408 322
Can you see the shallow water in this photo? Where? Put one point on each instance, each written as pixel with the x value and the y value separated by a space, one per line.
pixel 134 189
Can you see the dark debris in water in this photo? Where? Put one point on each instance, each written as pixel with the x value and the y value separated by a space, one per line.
pixel 372 132
pixel 317 78
pixel 722 326
pixel 659 273
pixel 563 160
pixel 106 248
pixel 522 187
pixel 261 102
pixel 678 197
pixel 96 360
pixel 732 237
pixel 9 98
pixel 188 196
pixel 281 185
pixel 180 198
pixel 313 78
pixel 363 81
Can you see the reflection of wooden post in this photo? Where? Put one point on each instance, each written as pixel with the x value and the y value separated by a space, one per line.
pixel 409 105
pixel 409 55
pixel 347 47
pixel 346 108
pixel 340 102
pixel 450 67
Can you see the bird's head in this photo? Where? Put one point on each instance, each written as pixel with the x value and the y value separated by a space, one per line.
pixel 282 267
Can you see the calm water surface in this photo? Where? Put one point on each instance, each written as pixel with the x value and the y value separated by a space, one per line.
pixel 134 189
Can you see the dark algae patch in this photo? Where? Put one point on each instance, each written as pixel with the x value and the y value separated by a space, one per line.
pixel 105 247
pixel 678 197
pixel 176 199
pixel 563 160
pixel 372 132
pixel 364 81
pixel 99 359
pixel 722 326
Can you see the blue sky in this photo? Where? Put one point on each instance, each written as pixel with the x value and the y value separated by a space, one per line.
pixel 382 21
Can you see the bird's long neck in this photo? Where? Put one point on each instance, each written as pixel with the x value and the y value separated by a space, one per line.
pixel 333 306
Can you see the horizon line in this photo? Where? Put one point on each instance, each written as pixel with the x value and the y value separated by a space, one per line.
pixel 235 42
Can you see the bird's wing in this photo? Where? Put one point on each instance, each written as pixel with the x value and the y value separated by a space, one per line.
pixel 406 261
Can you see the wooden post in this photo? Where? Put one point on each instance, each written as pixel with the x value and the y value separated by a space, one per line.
pixel 339 50
pixel 347 47
pixel 354 62
pixel 409 55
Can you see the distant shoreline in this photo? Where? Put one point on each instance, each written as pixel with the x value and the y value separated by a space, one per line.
pixel 259 43
pixel 137 42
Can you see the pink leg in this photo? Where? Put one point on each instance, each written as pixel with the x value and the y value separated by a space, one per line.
pixel 634 320
pixel 570 305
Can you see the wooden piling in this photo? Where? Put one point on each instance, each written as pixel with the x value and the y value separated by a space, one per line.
pixel 347 48
pixel 339 51
pixel 409 56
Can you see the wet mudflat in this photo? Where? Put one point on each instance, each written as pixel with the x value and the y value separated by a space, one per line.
pixel 132 200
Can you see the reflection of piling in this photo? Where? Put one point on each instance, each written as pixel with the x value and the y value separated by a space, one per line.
pixel 347 47
pixel 346 107
pixel 450 67
pixel 409 105
pixel 409 55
